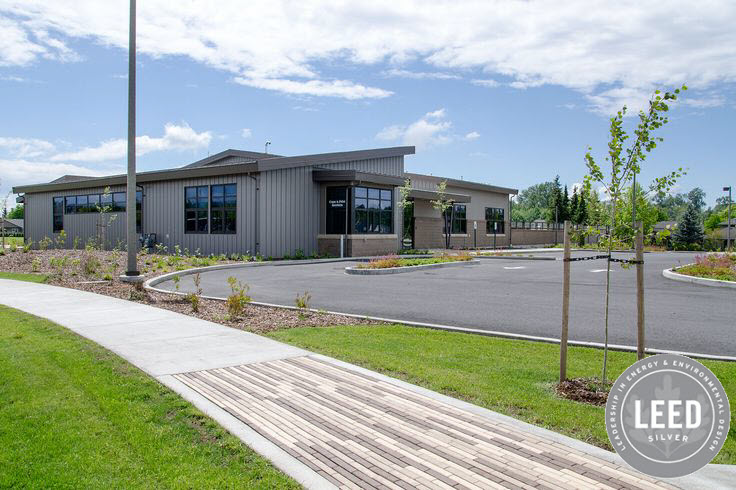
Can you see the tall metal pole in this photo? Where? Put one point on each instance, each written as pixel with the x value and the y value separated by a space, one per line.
pixel 130 205
pixel 633 203
pixel 728 220
pixel 639 246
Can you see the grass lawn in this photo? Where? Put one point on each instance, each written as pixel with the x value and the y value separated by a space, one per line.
pixel 75 415
pixel 18 276
pixel 508 376
pixel 10 240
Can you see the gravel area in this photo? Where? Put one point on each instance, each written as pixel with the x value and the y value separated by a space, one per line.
pixel 88 270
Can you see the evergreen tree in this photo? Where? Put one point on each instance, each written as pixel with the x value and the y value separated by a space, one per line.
pixel 555 204
pixel 689 229
pixel 574 203
pixel 581 216
pixel 564 212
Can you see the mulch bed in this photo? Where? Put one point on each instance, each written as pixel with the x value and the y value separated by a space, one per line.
pixel 255 318
pixel 585 390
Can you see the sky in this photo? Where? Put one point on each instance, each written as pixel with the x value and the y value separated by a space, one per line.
pixel 509 93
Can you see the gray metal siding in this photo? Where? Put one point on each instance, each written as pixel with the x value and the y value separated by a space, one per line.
pixel 288 207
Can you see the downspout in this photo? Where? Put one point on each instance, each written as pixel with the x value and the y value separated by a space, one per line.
pixel 256 210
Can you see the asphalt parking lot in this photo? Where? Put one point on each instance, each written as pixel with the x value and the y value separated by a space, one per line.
pixel 515 296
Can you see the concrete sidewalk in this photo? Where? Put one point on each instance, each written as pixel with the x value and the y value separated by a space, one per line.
pixel 330 424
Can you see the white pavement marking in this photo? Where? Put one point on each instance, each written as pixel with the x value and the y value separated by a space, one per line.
pixel 517 267
pixel 599 270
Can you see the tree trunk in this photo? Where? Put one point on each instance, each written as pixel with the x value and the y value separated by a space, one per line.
pixel 608 289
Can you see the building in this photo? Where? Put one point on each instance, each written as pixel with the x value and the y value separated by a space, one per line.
pixel 12 227
pixel 238 202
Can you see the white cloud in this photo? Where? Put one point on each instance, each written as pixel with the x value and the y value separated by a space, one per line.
pixel 473 135
pixel 713 100
pixel 175 137
pixel 333 88
pixel 430 130
pixel 246 133
pixel 485 82
pixel 26 147
pixel 419 75
pixel 611 52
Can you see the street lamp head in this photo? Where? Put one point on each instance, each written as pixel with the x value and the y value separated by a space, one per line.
pixel 727 189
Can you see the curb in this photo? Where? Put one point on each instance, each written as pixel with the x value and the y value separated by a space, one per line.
pixel 701 281
pixel 412 268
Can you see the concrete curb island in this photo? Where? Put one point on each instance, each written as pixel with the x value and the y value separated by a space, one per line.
pixel 702 281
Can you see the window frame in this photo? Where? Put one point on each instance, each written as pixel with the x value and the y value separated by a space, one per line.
pixel 374 212
pixel 196 209
pixel 224 209
pixel 497 215
pixel 459 225
pixel 55 215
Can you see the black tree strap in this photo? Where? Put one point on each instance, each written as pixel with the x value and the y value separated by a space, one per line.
pixel 598 257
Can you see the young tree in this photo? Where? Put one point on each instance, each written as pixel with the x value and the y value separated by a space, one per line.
pixel 690 228
pixel 407 205
pixel 445 207
pixel 624 164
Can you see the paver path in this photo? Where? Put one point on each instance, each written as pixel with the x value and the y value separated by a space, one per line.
pixel 330 424
pixel 360 432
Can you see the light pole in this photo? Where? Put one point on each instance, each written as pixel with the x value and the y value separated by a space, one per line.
pixel 130 206
pixel 728 220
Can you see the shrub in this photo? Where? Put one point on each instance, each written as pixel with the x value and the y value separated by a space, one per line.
pixel 299 254
pixel 27 246
pixel 91 265
pixel 413 251
pixel 302 302
pixel 13 247
pixel 60 239
pixel 712 266
pixel 194 301
pixel 44 243
pixel 237 301
pixel 35 265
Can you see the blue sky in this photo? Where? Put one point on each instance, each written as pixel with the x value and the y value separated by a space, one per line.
pixel 509 93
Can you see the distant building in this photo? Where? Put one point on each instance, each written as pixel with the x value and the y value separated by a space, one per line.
pixel 12 226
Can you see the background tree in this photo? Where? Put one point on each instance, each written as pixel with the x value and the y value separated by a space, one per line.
pixel 574 202
pixel 17 212
pixel 407 206
pixel 624 164
pixel 533 202
pixel 689 230
pixel 555 205
pixel 580 216
pixel 564 212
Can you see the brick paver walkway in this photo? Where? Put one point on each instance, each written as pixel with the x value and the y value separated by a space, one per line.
pixel 360 432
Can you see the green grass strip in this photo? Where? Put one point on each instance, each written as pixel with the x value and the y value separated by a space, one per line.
pixel 74 415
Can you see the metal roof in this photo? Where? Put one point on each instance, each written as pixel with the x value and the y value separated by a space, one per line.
pixel 465 184
pixel 209 167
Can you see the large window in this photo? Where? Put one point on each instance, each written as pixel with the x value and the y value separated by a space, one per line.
pixel 337 206
pixel 373 210
pixel 224 205
pixel 196 209
pixel 458 218
pixel 494 221
pixel 58 213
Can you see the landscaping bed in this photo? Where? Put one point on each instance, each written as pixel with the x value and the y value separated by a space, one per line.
pixel 721 267
pixel 74 269
pixel 514 377
pixel 75 415
pixel 394 261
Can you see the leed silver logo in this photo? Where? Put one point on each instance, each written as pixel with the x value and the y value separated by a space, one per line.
pixel 667 416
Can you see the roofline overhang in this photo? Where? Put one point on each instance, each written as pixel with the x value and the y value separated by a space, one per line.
pixel 262 165
pixel 434 195
pixel 142 177
pixel 355 177
pixel 466 184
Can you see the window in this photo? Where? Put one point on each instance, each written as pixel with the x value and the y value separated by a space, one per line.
pixel 337 204
pixel 138 211
pixel 459 219
pixel 494 221
pixel 71 204
pixel 82 204
pixel 196 209
pixel 373 210
pixel 94 203
pixel 58 213
pixel 118 202
pixel 224 206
